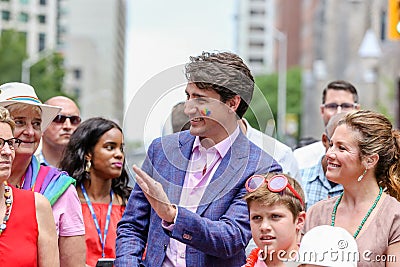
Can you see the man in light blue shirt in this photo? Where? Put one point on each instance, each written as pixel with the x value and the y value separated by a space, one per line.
pixel 314 182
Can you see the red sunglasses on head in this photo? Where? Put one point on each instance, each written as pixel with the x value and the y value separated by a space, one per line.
pixel 276 184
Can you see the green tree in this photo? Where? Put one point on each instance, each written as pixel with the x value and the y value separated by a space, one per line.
pixel 12 53
pixel 47 76
pixel 268 85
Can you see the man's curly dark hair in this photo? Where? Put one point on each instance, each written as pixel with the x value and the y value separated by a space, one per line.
pixel 224 72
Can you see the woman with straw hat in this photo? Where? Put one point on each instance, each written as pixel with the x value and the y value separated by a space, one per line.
pixel 31 118
pixel 27 218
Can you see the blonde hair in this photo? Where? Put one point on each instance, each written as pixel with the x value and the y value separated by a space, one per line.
pixel 5 117
pixel 266 197
pixel 377 136
pixel 23 107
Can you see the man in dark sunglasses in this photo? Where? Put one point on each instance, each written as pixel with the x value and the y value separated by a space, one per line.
pixel 56 136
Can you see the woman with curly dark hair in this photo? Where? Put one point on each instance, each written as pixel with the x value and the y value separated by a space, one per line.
pixel 95 158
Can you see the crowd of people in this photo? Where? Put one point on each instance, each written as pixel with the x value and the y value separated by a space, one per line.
pixel 216 192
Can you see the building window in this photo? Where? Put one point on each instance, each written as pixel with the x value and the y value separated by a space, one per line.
pixel 77 92
pixel 42 2
pixel 383 25
pixel 255 12
pixel 42 41
pixel 42 19
pixel 5 15
pixel 77 74
pixel 24 17
pixel 254 44
pixel 256 60
pixel 257 29
pixel 24 2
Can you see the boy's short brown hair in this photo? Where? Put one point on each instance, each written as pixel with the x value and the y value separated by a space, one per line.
pixel 266 197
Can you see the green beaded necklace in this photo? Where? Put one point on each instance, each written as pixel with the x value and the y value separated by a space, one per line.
pixel 366 215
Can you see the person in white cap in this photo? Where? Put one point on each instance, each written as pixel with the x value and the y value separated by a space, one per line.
pixel 32 118
pixel 326 245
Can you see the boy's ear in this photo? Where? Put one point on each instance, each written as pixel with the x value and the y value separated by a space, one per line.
pixel 325 141
pixel 301 219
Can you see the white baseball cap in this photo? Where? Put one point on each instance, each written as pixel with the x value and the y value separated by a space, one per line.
pixel 15 92
pixel 327 245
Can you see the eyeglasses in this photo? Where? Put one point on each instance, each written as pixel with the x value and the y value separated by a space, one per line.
pixel 343 106
pixel 12 142
pixel 75 120
pixel 276 184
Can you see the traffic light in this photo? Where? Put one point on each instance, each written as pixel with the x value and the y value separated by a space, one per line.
pixel 394 19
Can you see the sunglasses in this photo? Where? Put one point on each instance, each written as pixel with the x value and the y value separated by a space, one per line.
pixel 75 120
pixel 12 142
pixel 276 184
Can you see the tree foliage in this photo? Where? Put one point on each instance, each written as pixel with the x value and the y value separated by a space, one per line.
pixel 268 85
pixel 46 75
pixel 12 53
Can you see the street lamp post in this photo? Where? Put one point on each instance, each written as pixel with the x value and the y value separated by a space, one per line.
pixel 370 52
pixel 281 37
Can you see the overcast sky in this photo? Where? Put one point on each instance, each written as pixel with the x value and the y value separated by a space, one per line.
pixel 163 34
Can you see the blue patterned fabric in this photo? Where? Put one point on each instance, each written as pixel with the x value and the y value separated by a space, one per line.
pixel 217 234
pixel 316 186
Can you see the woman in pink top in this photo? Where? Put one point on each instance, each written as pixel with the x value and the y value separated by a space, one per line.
pixel 27 231
pixel 31 119
pixel 95 158
pixel 364 156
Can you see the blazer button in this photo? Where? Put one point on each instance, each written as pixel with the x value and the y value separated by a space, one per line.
pixel 187 236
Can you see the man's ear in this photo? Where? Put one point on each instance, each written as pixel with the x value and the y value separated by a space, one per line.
pixel 321 109
pixel 234 102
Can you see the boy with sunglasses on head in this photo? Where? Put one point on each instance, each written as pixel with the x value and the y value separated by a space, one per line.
pixel 276 210
pixel 56 137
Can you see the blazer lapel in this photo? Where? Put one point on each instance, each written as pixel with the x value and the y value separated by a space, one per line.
pixel 180 160
pixel 228 174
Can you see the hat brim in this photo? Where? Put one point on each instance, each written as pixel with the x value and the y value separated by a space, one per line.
pixel 48 112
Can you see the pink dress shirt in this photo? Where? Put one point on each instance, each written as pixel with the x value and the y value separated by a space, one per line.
pixel 202 166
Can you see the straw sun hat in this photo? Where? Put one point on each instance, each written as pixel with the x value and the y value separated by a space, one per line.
pixel 15 92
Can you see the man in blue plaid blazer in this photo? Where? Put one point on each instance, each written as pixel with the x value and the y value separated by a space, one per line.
pixel 215 230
